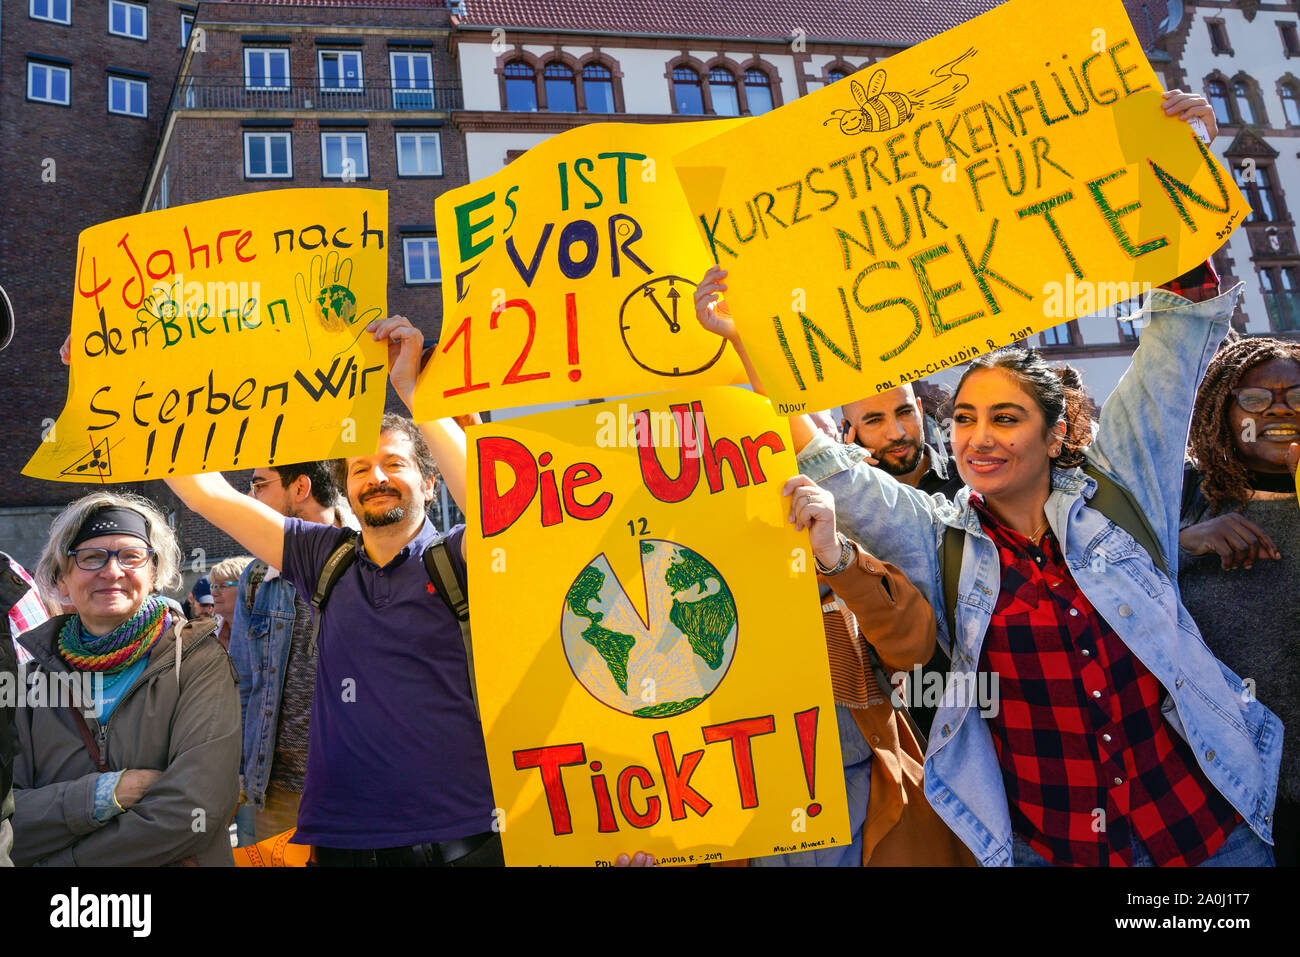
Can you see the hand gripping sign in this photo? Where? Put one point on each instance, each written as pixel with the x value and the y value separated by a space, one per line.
pixel 223 335
pixel 651 661
pixel 1006 176
pixel 570 275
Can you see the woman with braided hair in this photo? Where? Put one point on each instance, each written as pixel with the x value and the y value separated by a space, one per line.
pixel 141 765
pixel 1239 544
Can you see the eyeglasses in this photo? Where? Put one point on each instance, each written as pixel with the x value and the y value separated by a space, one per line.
pixel 256 485
pixel 93 559
pixel 222 586
pixel 1258 398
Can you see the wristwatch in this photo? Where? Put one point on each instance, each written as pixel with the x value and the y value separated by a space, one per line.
pixel 847 554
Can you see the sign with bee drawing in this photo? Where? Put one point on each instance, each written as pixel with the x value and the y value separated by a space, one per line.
pixel 224 335
pixel 1009 175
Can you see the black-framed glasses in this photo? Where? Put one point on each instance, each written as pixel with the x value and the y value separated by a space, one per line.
pixel 93 559
pixel 1257 398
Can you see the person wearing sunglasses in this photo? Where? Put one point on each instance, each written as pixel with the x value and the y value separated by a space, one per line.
pixel 1239 543
pixel 131 757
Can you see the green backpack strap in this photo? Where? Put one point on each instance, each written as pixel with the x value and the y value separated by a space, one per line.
pixel 954 540
pixel 1117 503
pixel 442 573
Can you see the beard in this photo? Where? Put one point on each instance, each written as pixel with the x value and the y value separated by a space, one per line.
pixel 389 516
pixel 906 465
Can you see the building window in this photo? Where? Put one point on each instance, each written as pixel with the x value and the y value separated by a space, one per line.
pixel 758 92
pixel 834 76
pixel 598 89
pixel 1059 335
pixel 56 11
pixel 128 19
pixel 128 97
pixel 344 156
pixel 1218 37
pixel 48 84
pixel 1124 311
pixel 688 94
pixel 561 90
pixel 1217 93
pixel 1256 181
pixel 1280 286
pixel 340 70
pixel 419 154
pixel 1290 103
pixel 187 25
pixel 1245 101
pixel 421 257
pixel 266 68
pixel 412 80
pixel 521 86
pixel 1290 41
pixel 160 200
pixel 722 90
pixel 268 155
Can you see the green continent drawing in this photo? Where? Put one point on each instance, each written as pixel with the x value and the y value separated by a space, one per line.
pixel 613 646
pixel 656 657
pixel 706 623
pixel 336 307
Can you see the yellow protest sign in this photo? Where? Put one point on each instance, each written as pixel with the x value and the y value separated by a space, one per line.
pixel 222 335
pixel 996 180
pixel 570 274
pixel 649 650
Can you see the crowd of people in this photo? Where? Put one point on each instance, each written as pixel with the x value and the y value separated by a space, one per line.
pixel 1124 580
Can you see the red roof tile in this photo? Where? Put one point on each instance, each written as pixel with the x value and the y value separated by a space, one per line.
pixel 857 21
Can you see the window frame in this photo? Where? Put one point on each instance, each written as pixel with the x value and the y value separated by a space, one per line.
pixel 397 153
pixel 248 74
pixel 31 7
pixel 129 5
pixel 412 92
pixel 249 134
pixel 1222 33
pixel 518 78
pixel 340 53
pixel 67 71
pixel 363 171
pixel 406 260
pixel 722 76
pixel 1284 88
pixel 767 85
pixel 701 83
pixel 1229 101
pixel 130 82
pixel 1290 35
pixel 608 78
pixel 185 36
pixel 570 76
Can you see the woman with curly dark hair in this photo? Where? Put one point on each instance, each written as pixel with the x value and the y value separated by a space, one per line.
pixel 1239 544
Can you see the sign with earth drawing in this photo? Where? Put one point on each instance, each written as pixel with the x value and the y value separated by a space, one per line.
pixel 650 682
pixel 224 335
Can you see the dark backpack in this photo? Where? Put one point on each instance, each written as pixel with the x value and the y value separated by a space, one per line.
pixel 437 565
pixel 1112 499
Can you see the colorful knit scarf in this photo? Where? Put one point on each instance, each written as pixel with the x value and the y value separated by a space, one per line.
pixel 126 644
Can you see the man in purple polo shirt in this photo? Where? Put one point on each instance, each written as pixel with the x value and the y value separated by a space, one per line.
pixel 396 768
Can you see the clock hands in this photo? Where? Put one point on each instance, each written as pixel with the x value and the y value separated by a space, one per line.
pixel 673 295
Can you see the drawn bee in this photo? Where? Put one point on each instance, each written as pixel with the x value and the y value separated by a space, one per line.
pixel 878 109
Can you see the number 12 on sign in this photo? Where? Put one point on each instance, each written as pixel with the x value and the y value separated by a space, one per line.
pixel 516 373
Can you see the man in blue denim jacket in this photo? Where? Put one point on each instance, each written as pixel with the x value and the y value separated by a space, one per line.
pixel 1236 740
pixel 270 642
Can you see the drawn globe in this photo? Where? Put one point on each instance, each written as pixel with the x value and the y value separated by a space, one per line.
pixel 336 307
pixel 666 664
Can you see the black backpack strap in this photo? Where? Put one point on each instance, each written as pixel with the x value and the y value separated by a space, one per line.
pixel 344 554
pixel 954 540
pixel 447 582
pixel 1117 503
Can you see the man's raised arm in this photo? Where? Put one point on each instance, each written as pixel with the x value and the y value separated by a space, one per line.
pixel 257 527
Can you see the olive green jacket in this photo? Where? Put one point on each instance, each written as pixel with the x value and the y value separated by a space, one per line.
pixel 180 717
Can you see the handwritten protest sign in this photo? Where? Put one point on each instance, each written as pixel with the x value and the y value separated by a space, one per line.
pixel 570 275
pixel 647 683
pixel 999 179
pixel 225 334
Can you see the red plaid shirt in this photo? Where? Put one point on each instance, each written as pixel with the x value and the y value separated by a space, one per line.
pixel 1079 729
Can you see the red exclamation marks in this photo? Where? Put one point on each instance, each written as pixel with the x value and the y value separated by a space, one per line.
pixel 275 436
pixel 240 441
pixel 805 723
pixel 148 450
pixel 571 327
pixel 176 446
pixel 207 444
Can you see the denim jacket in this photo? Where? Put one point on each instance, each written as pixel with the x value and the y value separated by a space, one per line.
pixel 1141 441
pixel 259 645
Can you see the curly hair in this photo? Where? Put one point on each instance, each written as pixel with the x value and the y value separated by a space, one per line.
pixel 1225 480
pixel 1058 392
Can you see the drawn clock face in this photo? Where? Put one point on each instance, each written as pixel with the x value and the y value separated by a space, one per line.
pixel 660 332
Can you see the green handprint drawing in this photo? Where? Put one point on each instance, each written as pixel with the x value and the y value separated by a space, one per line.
pixel 325 293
